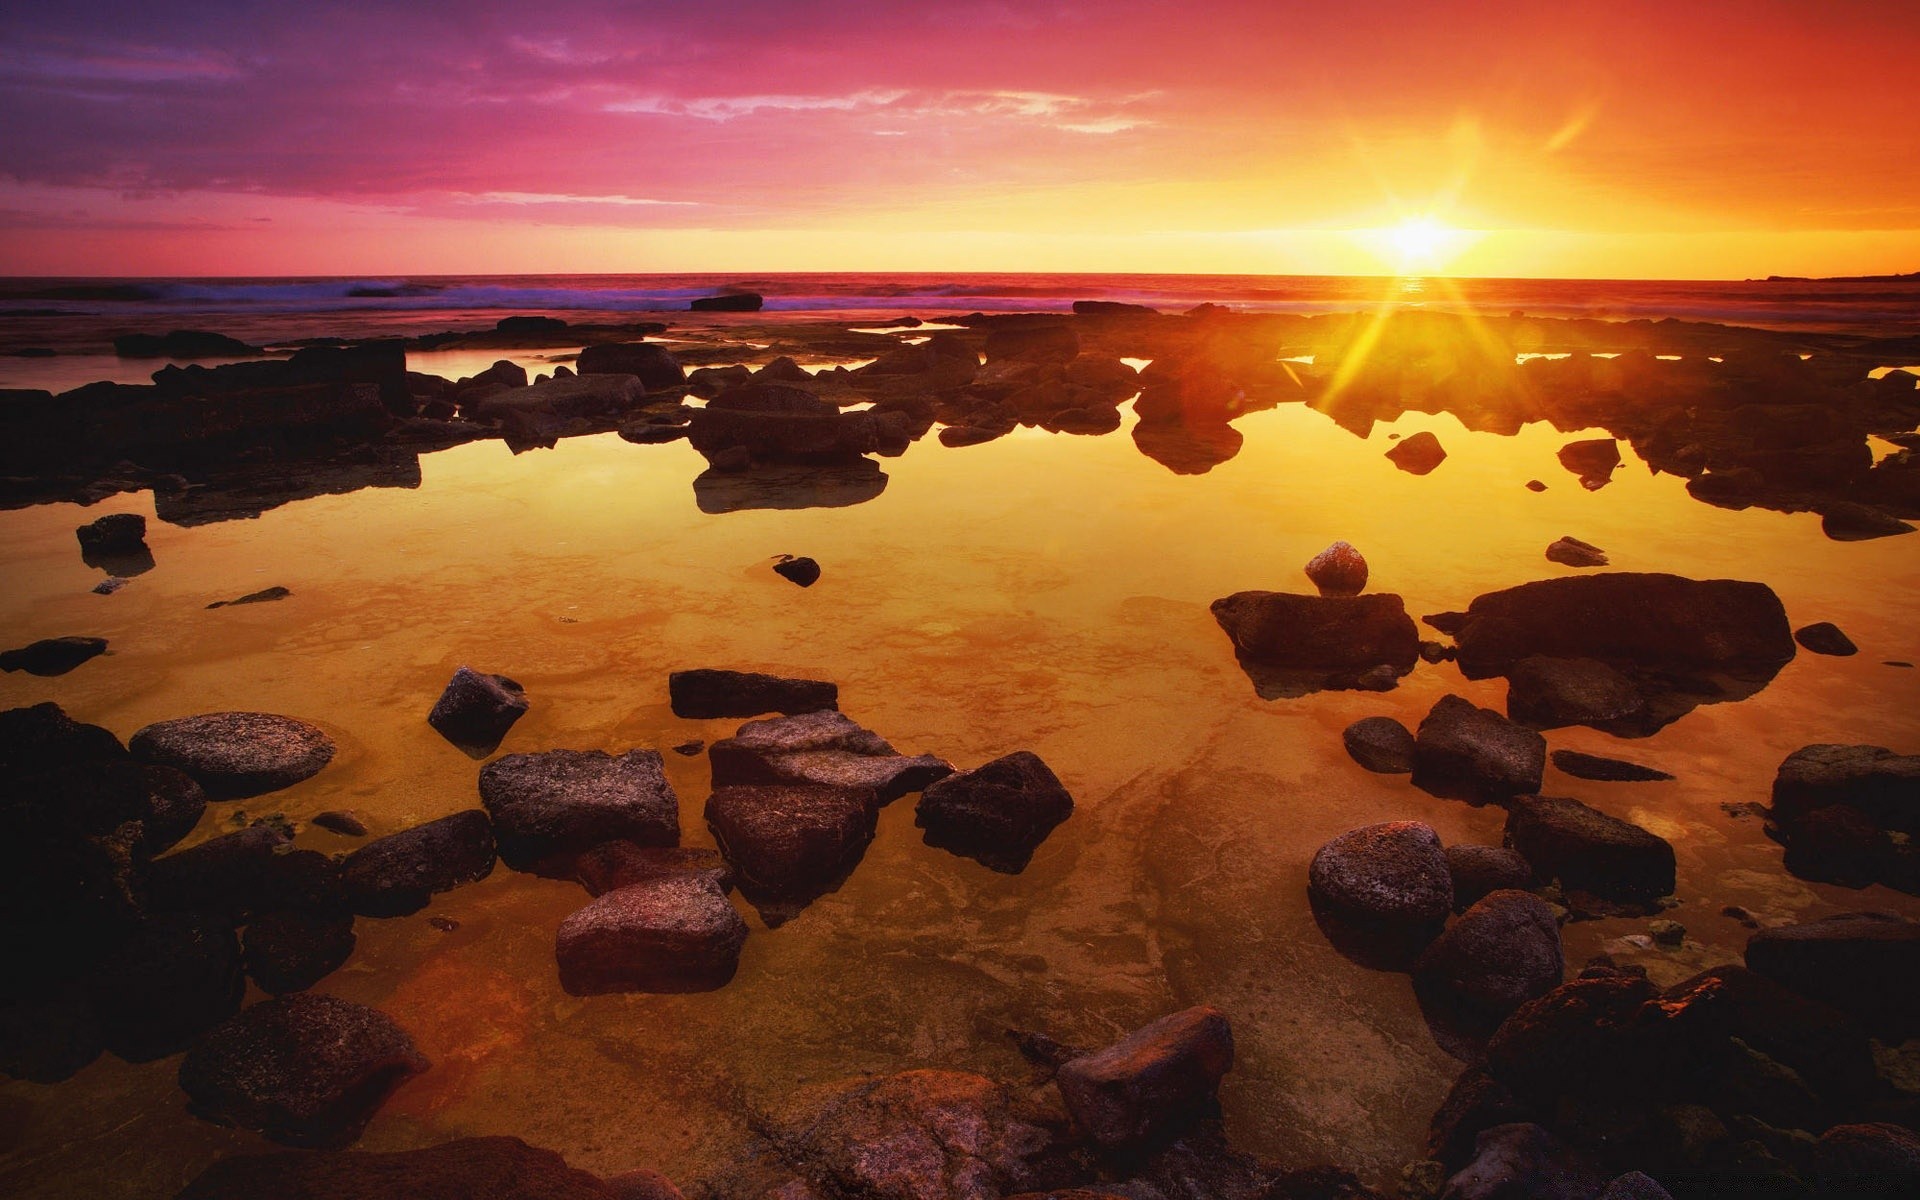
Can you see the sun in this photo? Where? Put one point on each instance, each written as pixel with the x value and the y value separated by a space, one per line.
pixel 1417 245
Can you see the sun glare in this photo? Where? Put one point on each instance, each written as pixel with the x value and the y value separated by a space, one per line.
pixel 1417 245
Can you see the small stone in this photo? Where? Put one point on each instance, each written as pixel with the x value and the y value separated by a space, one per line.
pixel 1605 770
pixel 1667 933
pixel 791 843
pixel 689 749
pixel 803 571
pixel 263 596
pixel 53 656
pixel 443 924
pixel 825 748
pixel 1845 521
pixel 110 585
pixel 341 821
pixel 1741 915
pixel 475 711
pixel 996 814
pixel 1593 460
pixel 1572 552
pixel 1825 638
pixel 399 873
pixel 1380 744
pixel 1534 485
pixel 1339 570
pixel 1419 454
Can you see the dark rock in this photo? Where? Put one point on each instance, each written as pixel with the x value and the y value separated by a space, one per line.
pixel 673 933
pixel 1339 570
pixel 1593 460
pixel 48 1036
pixel 781 370
pixel 1883 785
pixel 1032 341
pixel 476 711
pixel 1589 851
pixel 970 435
pixel 342 822
pixel 542 413
pixel 486 1168
pixel 613 865
pixel 1866 964
pixel 182 343
pixel 263 596
pixel 1548 693
pixel 251 871
pixel 236 754
pixel 1605 770
pixel 1534 485
pixel 790 844
pixel 116 535
pixel 996 814
pixel 728 302
pixel 1825 638
pixel 1598 1035
pixel 773 423
pixel 744 487
pixel 1478 870
pixel 1418 454
pixel 109 585
pixel 1291 644
pixel 1634 1185
pixel 1829 1050
pixel 292 951
pixel 1188 449
pixel 174 806
pixel 1392 874
pixel 1838 844
pixel 524 324
pixel 1150 1083
pixel 1877 1161
pixel 1502 952
pixel 1380 744
pixel 302 1069
pixel 823 748
pixel 1475 754
pixel 1449 623
pixel 690 748
pixel 1572 552
pixel 1111 308
pixel 702 694
pixel 1476 1102
pixel 53 656
pixel 652 364
pixel 503 373
pixel 398 874
pixel 1844 521
pixel 173 977
pixel 561 802
pixel 649 434
pixel 803 571
pixel 1515 1161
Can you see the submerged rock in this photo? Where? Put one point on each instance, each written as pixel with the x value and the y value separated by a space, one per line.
pixel 1873 779
pixel 398 874
pixel 1339 570
pixel 53 656
pixel 476 711
pixel 302 1069
pixel 672 933
pixel 561 802
pixel 1380 744
pixel 1469 753
pixel 824 748
pixel 1549 693
pixel 704 693
pixel 1590 852
pixel 484 1168
pixel 791 843
pixel 996 814
pixel 263 596
pixel 1825 638
pixel 1149 1084
pixel 1499 954
pixel 236 754
pixel 1844 521
pixel 1392 874
pixel 1606 770
pixel 1291 644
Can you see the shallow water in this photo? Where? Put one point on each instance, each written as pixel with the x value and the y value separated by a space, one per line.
pixel 1040 592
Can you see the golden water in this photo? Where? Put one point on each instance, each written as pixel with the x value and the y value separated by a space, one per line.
pixel 1039 592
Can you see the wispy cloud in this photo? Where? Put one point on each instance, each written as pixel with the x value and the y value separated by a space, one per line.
pixel 570 198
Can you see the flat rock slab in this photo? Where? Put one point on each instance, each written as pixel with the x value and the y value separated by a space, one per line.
pixel 1606 770
pixel 488 1168
pixel 672 933
pixel 1380 744
pixel 1589 851
pixel 996 814
pixel 476 710
pixel 1291 644
pixel 825 749
pixel 236 754
pixel 1572 552
pixel 53 656
pixel 706 693
pixel 613 865
pixel 1148 1084
pixel 1394 873
pixel 398 874
pixel 1866 964
pixel 1549 693
pixel 1470 753
pixel 304 1069
pixel 791 843
pixel 561 802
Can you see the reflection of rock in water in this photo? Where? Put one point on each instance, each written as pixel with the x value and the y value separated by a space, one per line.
pixel 248 492
pixel 1187 449
pixel 789 487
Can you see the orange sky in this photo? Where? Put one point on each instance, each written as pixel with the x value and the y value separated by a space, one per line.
pixel 1663 140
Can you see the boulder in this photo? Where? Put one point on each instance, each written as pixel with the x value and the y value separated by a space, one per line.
pixel 1549 693
pixel 116 535
pixel 302 1069
pixel 253 870
pixel 1475 754
pixel 672 933
pixel 53 656
pixel 236 754
pixel 292 951
pixel 182 343
pixel 1524 1160
pixel 477 710
pixel 1873 779
pixel 996 814
pixel 1589 851
pixel 1844 521
pixel 652 364
pixel 1478 870
pixel 1290 644
pixel 174 806
pixel 1392 874
pixel 1028 340
pixel 398 874
pixel 790 843
pixel 552 403
pixel 1499 954
pixel 728 302
pixel 704 694
pixel 1339 570
pixel 1825 637
pixel 1605 770
pixel 345 822
pixel 560 802
pixel 822 748
pixel 47 1035
pixel 1148 1085
pixel 1865 964
pixel 1872 1161
pixel 483 1168
pixel 613 865
pixel 1380 744
pixel 1572 552
pixel 1418 454
pixel 769 423
pixel 171 978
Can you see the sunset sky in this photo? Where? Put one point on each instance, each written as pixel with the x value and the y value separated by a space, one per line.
pixel 1667 140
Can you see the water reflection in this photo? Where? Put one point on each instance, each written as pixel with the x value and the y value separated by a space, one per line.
pixel 788 487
